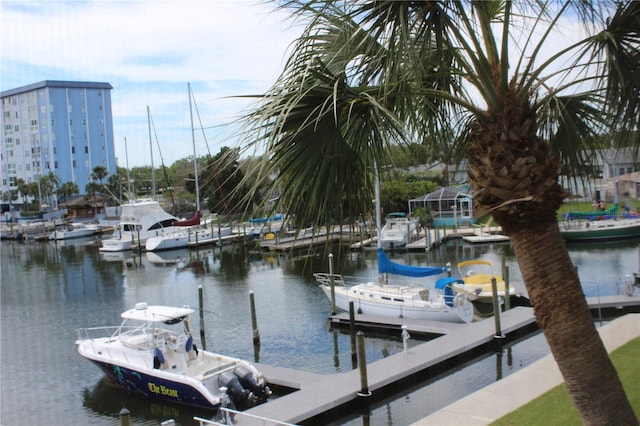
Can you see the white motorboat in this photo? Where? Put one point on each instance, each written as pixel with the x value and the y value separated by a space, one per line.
pixel 437 303
pixel 71 230
pixel 475 282
pixel 187 236
pixel 139 221
pixel 397 231
pixel 152 353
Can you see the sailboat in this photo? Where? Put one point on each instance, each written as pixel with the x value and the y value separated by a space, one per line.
pixel 437 302
pixel 189 232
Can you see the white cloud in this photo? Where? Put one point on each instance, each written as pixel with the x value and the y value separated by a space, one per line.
pixel 148 50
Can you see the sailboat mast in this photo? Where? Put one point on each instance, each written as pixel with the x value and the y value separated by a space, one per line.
pixel 126 156
pixel 153 173
pixel 378 218
pixel 195 156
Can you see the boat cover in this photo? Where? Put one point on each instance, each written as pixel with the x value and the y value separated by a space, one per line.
pixel 387 266
pixel 444 282
pixel 609 212
pixel 192 221
pixel 142 312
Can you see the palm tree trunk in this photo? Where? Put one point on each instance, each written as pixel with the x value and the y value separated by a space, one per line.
pixel 563 315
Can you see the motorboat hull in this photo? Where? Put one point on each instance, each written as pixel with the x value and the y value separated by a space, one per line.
pixel 116 244
pixel 75 231
pixel 150 385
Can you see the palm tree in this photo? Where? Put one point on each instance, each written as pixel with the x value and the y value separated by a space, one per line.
pixel 99 173
pixel 68 189
pixel 365 75
pixel 49 184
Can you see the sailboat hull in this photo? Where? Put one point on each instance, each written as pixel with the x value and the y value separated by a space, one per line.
pixel 400 302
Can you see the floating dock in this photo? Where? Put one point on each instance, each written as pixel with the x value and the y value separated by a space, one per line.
pixel 315 396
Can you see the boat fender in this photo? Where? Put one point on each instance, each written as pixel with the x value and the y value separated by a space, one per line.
pixel 158 358
pixel 189 344
pixel 234 389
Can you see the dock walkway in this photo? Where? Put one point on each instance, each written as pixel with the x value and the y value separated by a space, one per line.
pixel 316 394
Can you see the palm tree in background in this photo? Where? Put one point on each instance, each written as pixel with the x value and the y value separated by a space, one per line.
pixel 491 83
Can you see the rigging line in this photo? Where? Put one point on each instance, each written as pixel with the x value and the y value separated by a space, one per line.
pixel 164 169
pixel 200 121
pixel 216 176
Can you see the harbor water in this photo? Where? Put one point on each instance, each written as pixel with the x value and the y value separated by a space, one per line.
pixel 48 290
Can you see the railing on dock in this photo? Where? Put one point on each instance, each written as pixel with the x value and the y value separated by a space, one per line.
pixel 231 417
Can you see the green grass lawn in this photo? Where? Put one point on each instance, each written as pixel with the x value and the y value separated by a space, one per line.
pixel 555 407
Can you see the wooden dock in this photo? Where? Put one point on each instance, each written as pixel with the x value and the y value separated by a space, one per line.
pixel 316 395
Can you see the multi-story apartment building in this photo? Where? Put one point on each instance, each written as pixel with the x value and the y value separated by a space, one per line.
pixel 64 127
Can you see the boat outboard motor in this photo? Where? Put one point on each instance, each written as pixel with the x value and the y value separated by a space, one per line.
pixel 252 383
pixel 236 392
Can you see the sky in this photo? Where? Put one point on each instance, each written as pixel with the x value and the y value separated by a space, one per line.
pixel 149 51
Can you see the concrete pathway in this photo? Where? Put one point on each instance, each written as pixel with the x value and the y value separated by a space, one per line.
pixel 502 397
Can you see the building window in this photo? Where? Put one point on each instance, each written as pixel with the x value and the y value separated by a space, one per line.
pixel 16 128
pixel 53 122
pixel 73 149
pixel 55 164
pixel 74 164
pixel 71 122
pixel 86 149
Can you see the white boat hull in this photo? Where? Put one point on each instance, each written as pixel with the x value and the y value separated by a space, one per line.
pixel 74 231
pixel 397 232
pixel 184 238
pixel 400 302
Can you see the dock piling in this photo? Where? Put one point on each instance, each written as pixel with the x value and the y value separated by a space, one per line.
pixel 496 309
pixel 507 298
pixel 352 334
pixel 254 319
pixel 332 285
pixel 124 417
pixel 201 310
pixel 362 362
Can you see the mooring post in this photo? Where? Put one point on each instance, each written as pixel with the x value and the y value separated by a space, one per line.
pixel 254 319
pixel 332 285
pixel 124 417
pixel 496 308
pixel 405 337
pixel 362 362
pixel 352 333
pixel 507 297
pixel 201 303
